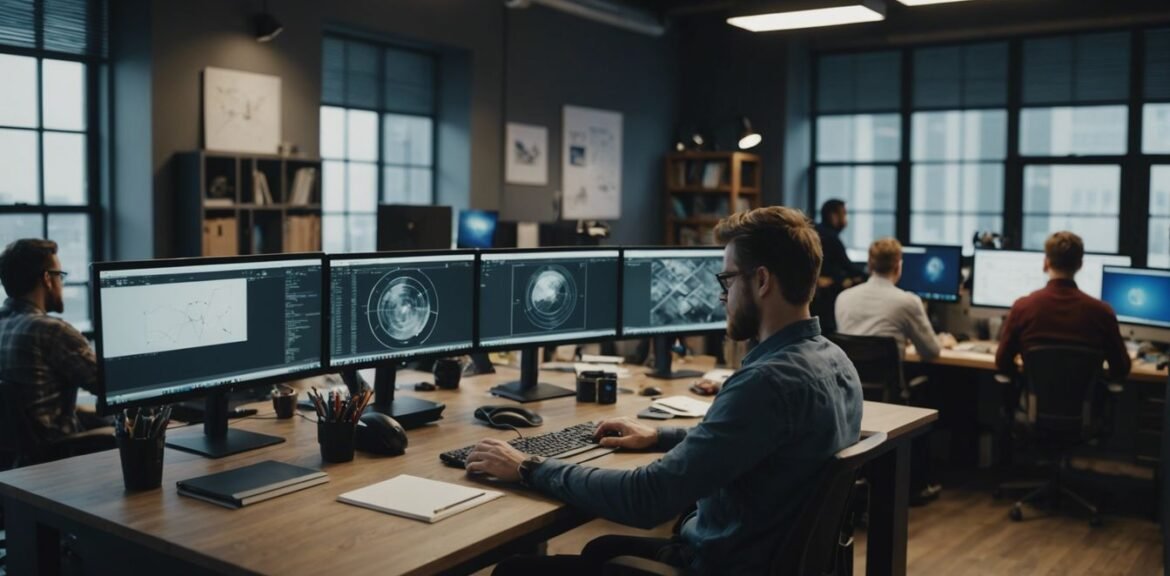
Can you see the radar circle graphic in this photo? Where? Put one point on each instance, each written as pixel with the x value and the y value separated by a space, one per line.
pixel 403 309
pixel 551 296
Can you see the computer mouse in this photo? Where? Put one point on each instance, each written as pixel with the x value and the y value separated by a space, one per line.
pixel 378 433
pixel 507 416
pixel 651 391
pixel 424 387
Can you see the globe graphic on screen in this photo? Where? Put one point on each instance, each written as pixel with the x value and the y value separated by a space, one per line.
pixel 935 269
pixel 402 309
pixel 1136 297
pixel 551 296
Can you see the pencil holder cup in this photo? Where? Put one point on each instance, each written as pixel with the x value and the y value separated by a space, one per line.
pixel 142 461
pixel 285 404
pixel 336 440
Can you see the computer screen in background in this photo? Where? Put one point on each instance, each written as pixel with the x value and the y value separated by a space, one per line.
pixel 171 329
pixel 932 272
pixel 1003 276
pixel 1140 297
pixel 528 298
pixel 410 227
pixel 477 229
pixel 667 292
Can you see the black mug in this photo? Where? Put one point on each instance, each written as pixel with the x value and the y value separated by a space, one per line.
pixel 447 373
pixel 284 404
pixel 142 461
pixel 336 440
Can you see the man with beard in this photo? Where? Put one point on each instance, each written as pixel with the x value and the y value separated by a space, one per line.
pixel 752 460
pixel 44 357
pixel 838 272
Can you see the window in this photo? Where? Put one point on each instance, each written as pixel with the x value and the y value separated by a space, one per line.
pixel 49 53
pixel 1085 199
pixel 377 137
pixel 859 141
pixel 957 176
pixel 1158 255
pixel 1073 131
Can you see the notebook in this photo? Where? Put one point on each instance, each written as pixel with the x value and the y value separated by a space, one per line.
pixel 418 498
pixel 682 406
pixel 250 484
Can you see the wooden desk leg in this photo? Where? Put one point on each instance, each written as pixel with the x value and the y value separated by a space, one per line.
pixel 886 536
pixel 31 547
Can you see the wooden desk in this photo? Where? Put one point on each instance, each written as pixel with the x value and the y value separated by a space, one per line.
pixel 1140 372
pixel 76 512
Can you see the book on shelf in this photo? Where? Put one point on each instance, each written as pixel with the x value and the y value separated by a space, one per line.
pixel 680 209
pixel 302 189
pixel 742 204
pixel 712 174
pixel 261 194
pixel 302 233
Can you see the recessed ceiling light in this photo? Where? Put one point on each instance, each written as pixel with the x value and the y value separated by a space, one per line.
pixel 834 14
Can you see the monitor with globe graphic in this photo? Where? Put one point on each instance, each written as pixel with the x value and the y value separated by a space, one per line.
pixel 397 306
pixel 1140 297
pixel 932 272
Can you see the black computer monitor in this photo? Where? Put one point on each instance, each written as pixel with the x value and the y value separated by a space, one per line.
pixel 667 292
pixel 1141 299
pixel 1000 277
pixel 390 307
pixel 932 272
pixel 533 297
pixel 477 229
pixel 173 329
pixel 412 227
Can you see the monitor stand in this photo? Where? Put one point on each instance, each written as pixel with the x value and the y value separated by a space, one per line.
pixel 662 361
pixel 529 388
pixel 218 440
pixel 409 412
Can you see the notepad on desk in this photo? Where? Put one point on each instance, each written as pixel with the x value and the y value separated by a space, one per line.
pixel 250 484
pixel 681 406
pixel 419 498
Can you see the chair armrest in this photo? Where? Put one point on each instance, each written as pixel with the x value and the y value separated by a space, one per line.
pixel 635 566
pixel 917 381
pixel 95 440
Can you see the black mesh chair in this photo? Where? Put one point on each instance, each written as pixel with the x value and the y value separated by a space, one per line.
pixel 878 360
pixel 1063 400
pixel 819 543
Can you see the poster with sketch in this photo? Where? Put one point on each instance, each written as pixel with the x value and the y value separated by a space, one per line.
pixel 527 154
pixel 241 111
pixel 592 164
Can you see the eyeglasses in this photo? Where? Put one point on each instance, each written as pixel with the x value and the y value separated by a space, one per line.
pixel 725 278
pixel 63 274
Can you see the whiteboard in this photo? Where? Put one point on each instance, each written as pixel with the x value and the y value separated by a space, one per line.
pixel 591 164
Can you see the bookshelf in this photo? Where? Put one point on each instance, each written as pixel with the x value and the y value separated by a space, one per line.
pixel 702 187
pixel 232 204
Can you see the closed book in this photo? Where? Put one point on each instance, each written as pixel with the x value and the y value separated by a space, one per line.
pixel 242 484
pixel 419 498
pixel 241 502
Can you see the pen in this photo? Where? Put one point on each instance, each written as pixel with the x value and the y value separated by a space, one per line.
pixel 463 501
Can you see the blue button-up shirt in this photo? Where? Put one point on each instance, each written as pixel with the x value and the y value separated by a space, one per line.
pixel 749 464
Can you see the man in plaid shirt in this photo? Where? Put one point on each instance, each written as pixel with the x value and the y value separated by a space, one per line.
pixel 44 357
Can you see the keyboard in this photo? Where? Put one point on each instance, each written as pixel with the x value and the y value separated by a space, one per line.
pixel 562 443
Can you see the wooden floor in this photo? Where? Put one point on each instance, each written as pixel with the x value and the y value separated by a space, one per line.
pixel 968 533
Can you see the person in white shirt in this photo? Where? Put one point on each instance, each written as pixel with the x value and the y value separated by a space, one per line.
pixel 877 307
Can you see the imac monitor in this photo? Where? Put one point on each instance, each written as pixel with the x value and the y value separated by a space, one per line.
pixel 477 228
pixel 671 291
pixel 1140 297
pixel 528 298
pixel 172 329
pixel 409 227
pixel 932 272
pixel 1003 276
pixel 395 306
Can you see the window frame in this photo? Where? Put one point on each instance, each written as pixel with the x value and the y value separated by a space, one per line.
pixel 380 111
pixel 95 62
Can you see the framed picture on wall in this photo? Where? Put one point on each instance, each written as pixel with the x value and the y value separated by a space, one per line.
pixel 241 111
pixel 526 153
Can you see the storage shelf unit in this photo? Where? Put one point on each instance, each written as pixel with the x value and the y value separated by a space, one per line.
pixel 703 187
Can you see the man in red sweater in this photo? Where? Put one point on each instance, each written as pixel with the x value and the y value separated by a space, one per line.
pixel 1059 313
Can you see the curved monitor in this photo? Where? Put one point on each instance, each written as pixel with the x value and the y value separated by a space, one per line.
pixel 672 291
pixel 531 297
pixel 398 305
pixel 170 329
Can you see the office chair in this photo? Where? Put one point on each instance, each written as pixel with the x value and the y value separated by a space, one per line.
pixel 879 365
pixel 1061 414
pixel 21 445
pixel 820 542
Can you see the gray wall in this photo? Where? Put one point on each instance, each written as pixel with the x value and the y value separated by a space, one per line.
pixel 555 59
pixel 552 60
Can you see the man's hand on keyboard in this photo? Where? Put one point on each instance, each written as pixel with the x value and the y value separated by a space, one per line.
pixel 495 458
pixel 625 433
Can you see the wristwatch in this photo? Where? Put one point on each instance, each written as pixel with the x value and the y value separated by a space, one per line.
pixel 527 467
